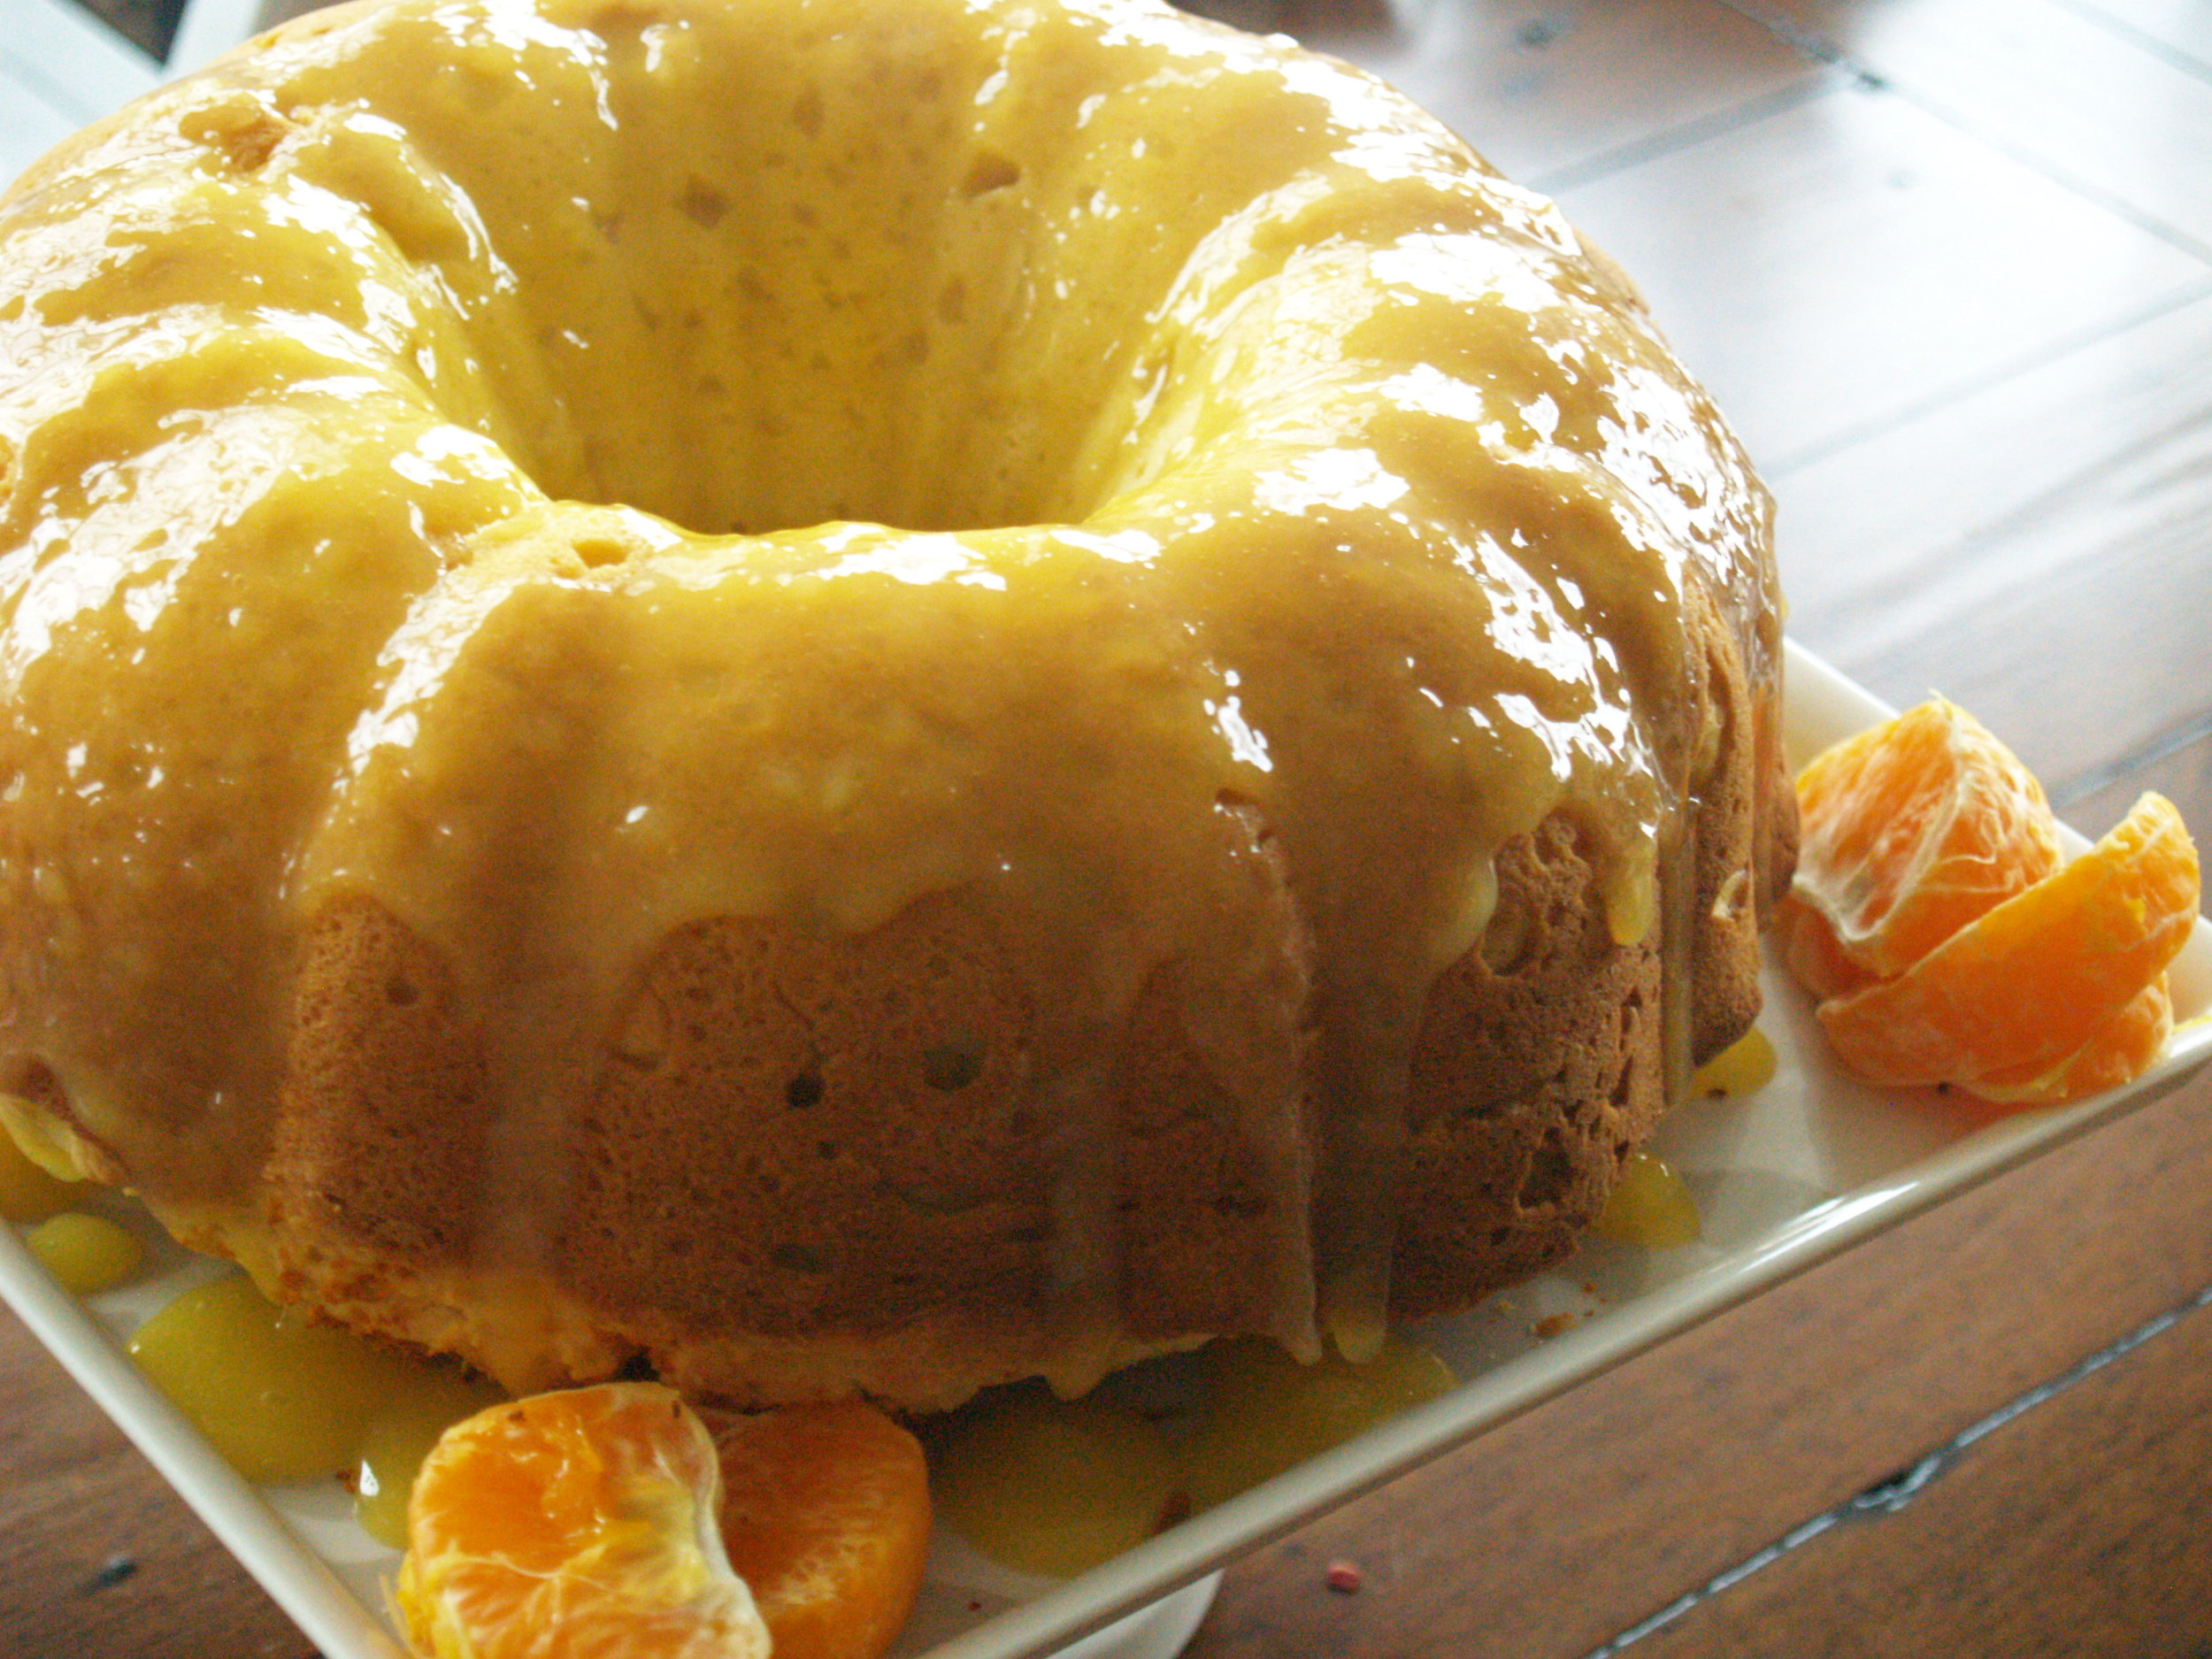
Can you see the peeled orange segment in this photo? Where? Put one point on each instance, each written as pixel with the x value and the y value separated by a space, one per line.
pixel 2122 1049
pixel 825 1513
pixel 1915 828
pixel 1811 952
pixel 2031 981
pixel 575 1526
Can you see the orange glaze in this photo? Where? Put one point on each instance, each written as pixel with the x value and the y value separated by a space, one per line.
pixel 564 472
pixel 85 1253
pixel 282 1399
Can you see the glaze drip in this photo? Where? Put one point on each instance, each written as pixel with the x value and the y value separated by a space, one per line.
pixel 667 461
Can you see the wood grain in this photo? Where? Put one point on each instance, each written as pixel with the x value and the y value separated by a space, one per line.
pixel 1555 92
pixel 1846 261
pixel 2049 85
pixel 2180 31
pixel 2036 551
pixel 2134 1437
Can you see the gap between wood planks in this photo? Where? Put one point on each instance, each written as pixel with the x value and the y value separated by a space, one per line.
pixel 1893 1492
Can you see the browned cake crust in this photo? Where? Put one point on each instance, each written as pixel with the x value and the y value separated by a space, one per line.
pixel 1543 1055
pixel 814 1164
pixel 455 866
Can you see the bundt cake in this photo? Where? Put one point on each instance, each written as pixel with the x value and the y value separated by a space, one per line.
pixel 854 695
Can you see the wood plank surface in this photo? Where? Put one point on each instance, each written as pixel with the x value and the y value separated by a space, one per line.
pixel 2134 1437
pixel 2051 84
pixel 2180 31
pixel 1553 93
pixel 1946 263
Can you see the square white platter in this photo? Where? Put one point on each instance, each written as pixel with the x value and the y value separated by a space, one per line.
pixel 1785 1178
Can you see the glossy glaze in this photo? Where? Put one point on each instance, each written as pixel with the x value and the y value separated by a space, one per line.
pixel 450 451
pixel 281 1398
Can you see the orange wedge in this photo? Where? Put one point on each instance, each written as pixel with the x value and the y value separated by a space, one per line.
pixel 825 1513
pixel 2031 981
pixel 1811 952
pixel 575 1526
pixel 1912 830
pixel 2120 1050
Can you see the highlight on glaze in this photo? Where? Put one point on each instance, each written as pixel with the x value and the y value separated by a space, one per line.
pixel 665 460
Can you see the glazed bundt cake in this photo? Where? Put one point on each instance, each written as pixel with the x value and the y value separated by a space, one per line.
pixel 854 695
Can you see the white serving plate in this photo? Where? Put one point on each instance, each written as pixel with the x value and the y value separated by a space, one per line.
pixel 1785 1178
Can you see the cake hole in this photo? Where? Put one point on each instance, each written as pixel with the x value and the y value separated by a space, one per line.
pixel 952 1066
pixel 598 551
pixel 29 1077
pixel 401 992
pixel 1509 941
pixel 795 1258
pixel 703 204
pixel 244 135
pixel 1713 733
pixel 803 1091
pixel 990 172
pixel 774 415
pixel 1550 1172
pixel 1624 1086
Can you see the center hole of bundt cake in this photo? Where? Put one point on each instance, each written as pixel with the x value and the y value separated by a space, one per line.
pixel 804 300
pixel 734 393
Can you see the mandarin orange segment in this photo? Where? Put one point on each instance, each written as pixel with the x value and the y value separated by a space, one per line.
pixel 2120 1050
pixel 1811 952
pixel 575 1526
pixel 825 1513
pixel 2031 981
pixel 1915 828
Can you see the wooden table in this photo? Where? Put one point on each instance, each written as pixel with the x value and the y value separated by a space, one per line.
pixel 1948 264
